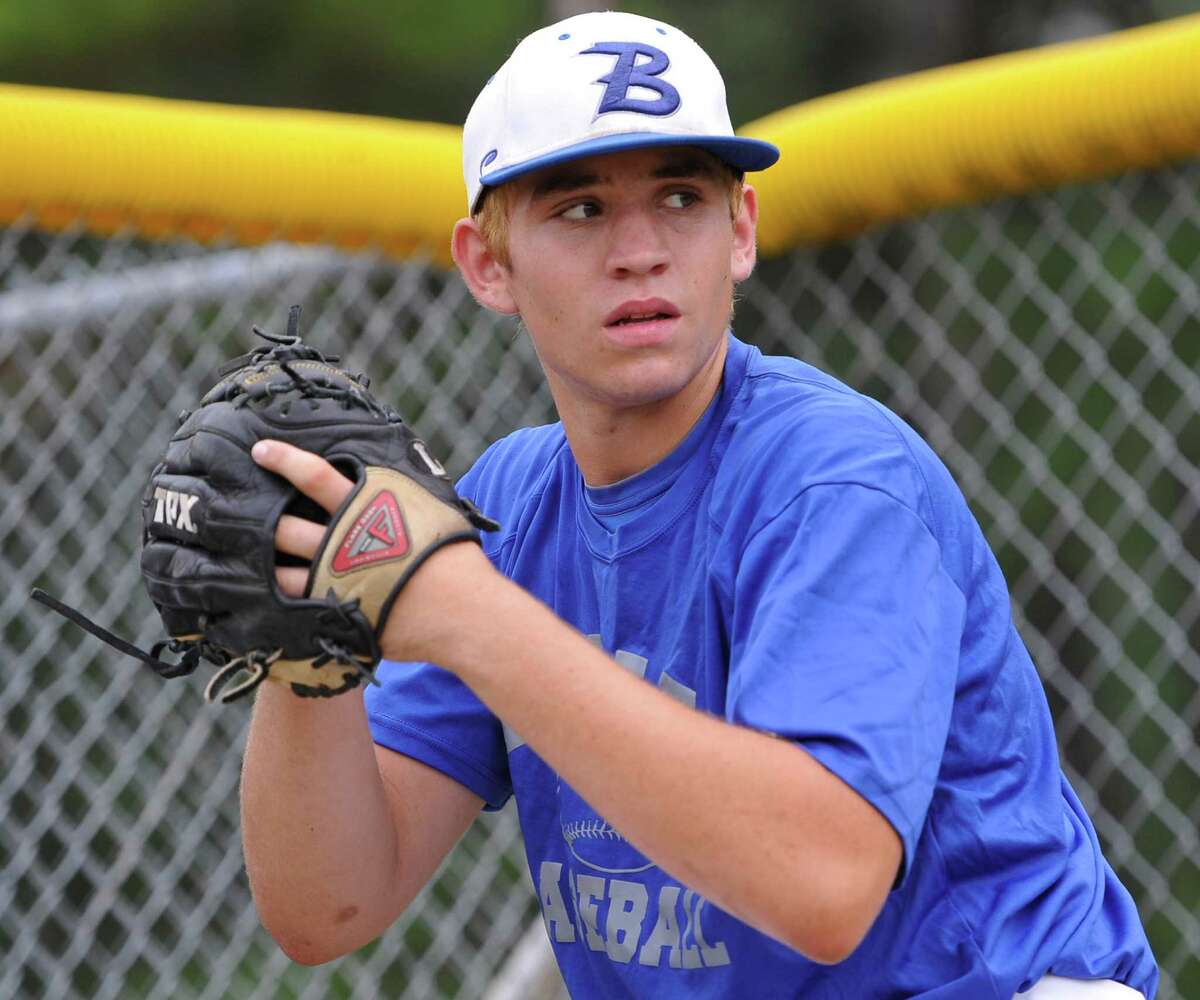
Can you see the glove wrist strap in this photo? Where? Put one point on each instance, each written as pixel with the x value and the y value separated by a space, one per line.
pixel 186 665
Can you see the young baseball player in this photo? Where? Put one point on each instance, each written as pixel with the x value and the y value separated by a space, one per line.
pixel 740 652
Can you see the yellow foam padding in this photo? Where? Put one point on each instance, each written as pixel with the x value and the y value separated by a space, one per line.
pixel 963 133
pixel 110 162
pixel 1003 125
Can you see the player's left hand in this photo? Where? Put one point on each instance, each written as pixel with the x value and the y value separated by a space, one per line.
pixel 297 536
pixel 417 616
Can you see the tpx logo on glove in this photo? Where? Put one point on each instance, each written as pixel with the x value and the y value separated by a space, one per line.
pixel 174 509
pixel 377 534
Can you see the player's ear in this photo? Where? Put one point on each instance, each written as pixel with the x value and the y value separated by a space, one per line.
pixel 485 276
pixel 743 254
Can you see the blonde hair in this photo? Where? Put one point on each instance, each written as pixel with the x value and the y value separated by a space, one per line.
pixel 495 210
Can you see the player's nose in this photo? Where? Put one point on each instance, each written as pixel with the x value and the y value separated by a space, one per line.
pixel 636 244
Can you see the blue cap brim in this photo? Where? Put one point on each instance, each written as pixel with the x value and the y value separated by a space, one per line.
pixel 738 152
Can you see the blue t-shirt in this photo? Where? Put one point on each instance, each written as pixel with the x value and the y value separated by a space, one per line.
pixel 801 564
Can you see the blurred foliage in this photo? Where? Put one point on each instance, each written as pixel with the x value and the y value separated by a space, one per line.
pixel 425 61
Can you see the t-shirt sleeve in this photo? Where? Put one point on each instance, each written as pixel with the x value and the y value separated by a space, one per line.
pixel 427 713
pixel 846 636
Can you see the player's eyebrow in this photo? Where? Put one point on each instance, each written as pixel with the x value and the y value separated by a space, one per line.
pixel 562 182
pixel 678 166
pixel 687 165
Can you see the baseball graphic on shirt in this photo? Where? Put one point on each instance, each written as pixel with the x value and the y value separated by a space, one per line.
pixel 593 841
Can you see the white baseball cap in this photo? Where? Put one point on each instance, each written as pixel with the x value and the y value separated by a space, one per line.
pixel 598 83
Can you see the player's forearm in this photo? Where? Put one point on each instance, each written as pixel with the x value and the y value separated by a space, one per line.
pixel 319 842
pixel 750 822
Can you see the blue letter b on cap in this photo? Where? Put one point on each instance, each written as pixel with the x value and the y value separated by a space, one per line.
pixel 628 72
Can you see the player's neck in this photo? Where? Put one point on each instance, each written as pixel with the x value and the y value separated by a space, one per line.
pixel 613 443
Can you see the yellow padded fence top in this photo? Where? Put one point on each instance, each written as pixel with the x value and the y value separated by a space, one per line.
pixel 208 170
pixel 1002 125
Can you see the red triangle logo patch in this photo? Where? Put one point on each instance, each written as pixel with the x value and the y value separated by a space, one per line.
pixel 377 534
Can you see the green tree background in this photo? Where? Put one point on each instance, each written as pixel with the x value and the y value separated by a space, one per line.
pixel 427 61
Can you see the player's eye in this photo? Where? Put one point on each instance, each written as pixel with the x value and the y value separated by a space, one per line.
pixel 580 211
pixel 680 199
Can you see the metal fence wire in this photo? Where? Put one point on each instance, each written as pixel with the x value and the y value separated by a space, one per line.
pixel 1046 346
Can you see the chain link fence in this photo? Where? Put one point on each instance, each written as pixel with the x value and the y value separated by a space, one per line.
pixel 1047 347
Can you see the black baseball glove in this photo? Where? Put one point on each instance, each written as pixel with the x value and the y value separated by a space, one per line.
pixel 210 513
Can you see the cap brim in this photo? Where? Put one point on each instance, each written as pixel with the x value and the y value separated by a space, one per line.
pixel 738 152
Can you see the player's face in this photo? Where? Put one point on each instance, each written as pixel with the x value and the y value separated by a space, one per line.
pixel 622 268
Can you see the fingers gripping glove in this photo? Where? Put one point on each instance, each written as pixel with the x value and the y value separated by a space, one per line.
pixel 210 514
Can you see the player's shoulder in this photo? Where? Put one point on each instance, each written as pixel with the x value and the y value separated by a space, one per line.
pixel 796 427
pixel 515 468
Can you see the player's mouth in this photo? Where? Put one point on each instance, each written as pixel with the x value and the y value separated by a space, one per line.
pixel 641 322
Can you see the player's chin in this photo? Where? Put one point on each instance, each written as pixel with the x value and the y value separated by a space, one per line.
pixel 646 384
pixel 655 375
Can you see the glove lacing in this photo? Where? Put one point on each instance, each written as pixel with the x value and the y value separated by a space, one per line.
pixel 256 663
pixel 287 349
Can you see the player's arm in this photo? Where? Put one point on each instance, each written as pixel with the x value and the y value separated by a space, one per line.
pixel 751 822
pixel 339 834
